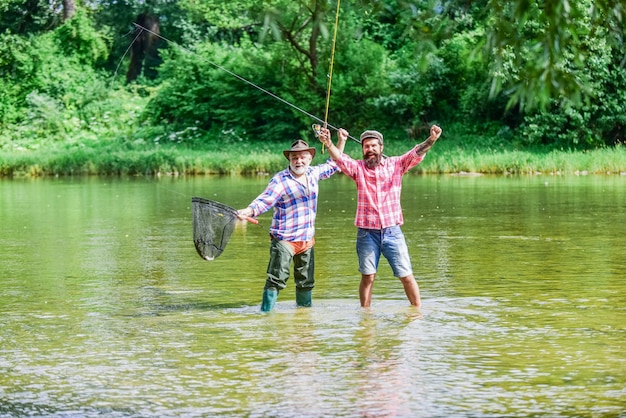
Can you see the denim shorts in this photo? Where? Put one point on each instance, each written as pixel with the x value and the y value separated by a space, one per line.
pixel 390 242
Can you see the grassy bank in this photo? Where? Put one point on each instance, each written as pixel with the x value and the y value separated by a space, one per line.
pixel 450 155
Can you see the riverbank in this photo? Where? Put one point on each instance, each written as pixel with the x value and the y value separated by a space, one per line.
pixel 250 158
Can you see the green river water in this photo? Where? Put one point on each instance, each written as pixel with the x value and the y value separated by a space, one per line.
pixel 106 309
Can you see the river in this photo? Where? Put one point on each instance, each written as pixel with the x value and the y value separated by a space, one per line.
pixel 106 309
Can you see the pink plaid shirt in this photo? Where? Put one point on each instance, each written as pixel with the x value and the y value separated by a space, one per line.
pixel 378 190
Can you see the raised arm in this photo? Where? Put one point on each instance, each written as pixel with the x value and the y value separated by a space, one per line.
pixel 435 133
pixel 334 151
pixel 342 137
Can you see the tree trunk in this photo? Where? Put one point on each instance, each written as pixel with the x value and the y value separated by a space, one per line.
pixel 69 9
pixel 144 47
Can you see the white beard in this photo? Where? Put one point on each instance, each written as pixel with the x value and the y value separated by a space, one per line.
pixel 298 171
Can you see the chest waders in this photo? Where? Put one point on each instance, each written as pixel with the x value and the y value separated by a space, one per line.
pixel 282 254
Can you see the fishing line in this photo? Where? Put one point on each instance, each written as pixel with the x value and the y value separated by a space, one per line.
pixel 245 81
pixel 126 52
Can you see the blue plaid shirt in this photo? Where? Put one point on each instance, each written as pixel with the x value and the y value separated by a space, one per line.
pixel 295 205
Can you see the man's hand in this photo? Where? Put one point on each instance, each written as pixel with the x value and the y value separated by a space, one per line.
pixel 335 152
pixel 244 214
pixel 342 137
pixel 435 132
pixel 325 138
pixel 342 134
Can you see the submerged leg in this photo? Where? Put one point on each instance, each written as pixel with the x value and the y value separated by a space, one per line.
pixel 304 276
pixel 365 289
pixel 304 298
pixel 281 255
pixel 412 290
pixel 270 295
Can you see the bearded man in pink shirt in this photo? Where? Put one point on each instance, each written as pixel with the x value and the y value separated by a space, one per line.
pixel 379 214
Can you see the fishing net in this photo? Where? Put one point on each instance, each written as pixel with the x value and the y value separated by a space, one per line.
pixel 213 224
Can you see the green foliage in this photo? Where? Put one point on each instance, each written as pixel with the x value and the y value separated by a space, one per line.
pixel 49 71
pixel 360 85
pixel 78 38
pixel 55 91
pixel 16 74
pixel 200 93
pixel 222 15
pixel 27 17
pixel 399 66
pixel 116 19
pixel 465 88
pixel 598 121
pixel 539 48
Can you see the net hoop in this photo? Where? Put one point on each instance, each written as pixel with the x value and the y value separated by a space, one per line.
pixel 213 225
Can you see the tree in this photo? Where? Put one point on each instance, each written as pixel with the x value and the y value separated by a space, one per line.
pixel 144 52
pixel 301 25
pixel 28 16
pixel 69 9
pixel 537 47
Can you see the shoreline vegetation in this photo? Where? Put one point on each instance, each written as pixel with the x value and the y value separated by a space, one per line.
pixel 186 107
pixel 226 89
pixel 449 156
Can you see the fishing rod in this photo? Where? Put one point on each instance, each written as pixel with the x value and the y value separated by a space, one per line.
pixel 237 76
pixel 330 72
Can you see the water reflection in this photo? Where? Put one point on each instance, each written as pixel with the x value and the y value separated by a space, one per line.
pixel 106 309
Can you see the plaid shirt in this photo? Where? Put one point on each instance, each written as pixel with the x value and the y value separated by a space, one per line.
pixel 295 205
pixel 378 190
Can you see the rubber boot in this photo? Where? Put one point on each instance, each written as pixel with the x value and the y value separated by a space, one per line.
pixel 269 299
pixel 303 298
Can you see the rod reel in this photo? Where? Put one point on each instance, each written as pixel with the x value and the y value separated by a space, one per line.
pixel 317 129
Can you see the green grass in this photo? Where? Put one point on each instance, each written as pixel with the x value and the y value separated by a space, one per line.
pixel 453 153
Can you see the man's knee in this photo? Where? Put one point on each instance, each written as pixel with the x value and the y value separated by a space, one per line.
pixel 368 278
pixel 407 279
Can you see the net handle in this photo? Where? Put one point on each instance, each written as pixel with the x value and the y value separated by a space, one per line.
pixel 249 219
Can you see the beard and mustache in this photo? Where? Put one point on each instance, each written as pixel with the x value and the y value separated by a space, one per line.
pixel 372 159
pixel 298 169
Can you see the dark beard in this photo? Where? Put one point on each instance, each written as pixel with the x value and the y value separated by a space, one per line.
pixel 372 162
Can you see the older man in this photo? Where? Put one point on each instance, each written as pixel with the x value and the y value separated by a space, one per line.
pixel 379 214
pixel 293 195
